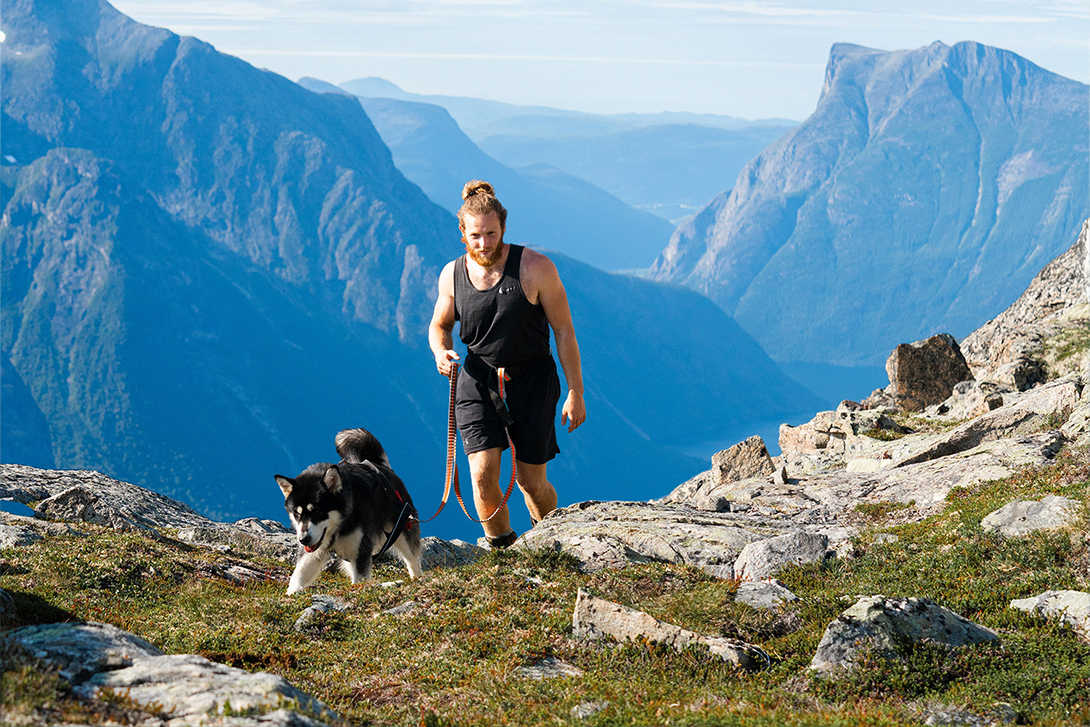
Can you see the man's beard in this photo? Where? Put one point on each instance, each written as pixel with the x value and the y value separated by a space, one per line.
pixel 483 260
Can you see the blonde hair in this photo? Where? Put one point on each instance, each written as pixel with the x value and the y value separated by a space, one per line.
pixel 479 198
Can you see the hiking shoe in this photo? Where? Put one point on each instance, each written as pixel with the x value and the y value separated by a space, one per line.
pixel 502 541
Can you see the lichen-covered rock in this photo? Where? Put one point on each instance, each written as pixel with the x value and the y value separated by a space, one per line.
pixel 1072 607
pixel 764 558
pixel 925 372
pixel 746 459
pixel 879 625
pixel 832 438
pixel 596 617
pixel 189 689
pixel 614 534
pixel 1026 516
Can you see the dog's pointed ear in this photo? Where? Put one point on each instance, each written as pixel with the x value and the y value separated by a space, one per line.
pixel 286 484
pixel 333 479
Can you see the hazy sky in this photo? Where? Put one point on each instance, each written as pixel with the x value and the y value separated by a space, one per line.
pixel 748 58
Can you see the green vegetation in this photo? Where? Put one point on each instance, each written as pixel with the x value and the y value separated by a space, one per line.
pixel 452 659
pixel 880 511
pixel 886 435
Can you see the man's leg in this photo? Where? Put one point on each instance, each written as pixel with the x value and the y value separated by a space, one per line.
pixel 484 467
pixel 539 493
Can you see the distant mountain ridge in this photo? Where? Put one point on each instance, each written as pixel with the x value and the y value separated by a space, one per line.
pixel 923 194
pixel 668 164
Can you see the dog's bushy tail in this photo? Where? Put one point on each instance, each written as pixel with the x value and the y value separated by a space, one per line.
pixel 357 445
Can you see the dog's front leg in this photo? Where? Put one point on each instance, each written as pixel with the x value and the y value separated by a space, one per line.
pixel 360 570
pixel 307 571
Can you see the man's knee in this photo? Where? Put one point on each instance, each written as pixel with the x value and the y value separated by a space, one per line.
pixel 484 466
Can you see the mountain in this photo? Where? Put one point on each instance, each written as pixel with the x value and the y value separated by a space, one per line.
pixel 669 164
pixel 922 195
pixel 670 170
pixel 547 208
pixel 207 270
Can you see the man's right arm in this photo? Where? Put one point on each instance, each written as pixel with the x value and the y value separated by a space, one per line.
pixel 441 330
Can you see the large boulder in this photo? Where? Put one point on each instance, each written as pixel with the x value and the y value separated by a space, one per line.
pixel 881 625
pixel 925 372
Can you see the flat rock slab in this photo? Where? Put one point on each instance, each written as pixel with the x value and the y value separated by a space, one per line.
pixel 615 534
pixel 1027 516
pixel 828 497
pixel 881 624
pixel 1072 607
pixel 548 668
pixel 596 617
pixel 189 689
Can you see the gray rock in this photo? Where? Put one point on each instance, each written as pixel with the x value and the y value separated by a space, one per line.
pixel 742 461
pixel 548 668
pixel 764 558
pixel 880 624
pixel 188 688
pixel 1045 408
pixel 1026 516
pixel 832 438
pixel 191 688
pixel 586 709
pixel 970 399
pixel 401 610
pixel 319 606
pixel 595 617
pixel 439 553
pixel 15 536
pixel 1072 607
pixel 1000 714
pixel 925 372
pixel 768 595
pixel 78 504
pixel 1010 349
pixel 615 534
pixel 81 650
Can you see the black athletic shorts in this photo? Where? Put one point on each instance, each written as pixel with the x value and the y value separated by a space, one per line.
pixel 532 396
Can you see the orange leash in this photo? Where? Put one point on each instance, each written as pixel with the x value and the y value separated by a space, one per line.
pixel 451 479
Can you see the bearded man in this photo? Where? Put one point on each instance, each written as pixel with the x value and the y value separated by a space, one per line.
pixel 506 298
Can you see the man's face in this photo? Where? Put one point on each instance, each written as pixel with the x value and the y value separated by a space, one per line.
pixel 483 237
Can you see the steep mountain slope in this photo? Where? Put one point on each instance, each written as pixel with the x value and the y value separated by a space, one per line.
pixel 924 192
pixel 554 211
pixel 300 185
pixel 207 270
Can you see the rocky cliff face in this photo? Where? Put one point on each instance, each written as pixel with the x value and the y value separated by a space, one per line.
pixel 923 194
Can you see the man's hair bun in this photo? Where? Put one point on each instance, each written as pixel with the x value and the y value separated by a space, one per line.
pixel 477 186
pixel 479 198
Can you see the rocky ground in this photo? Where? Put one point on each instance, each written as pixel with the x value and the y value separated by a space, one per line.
pixel 895 459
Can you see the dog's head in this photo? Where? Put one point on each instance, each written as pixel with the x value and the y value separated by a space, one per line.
pixel 314 501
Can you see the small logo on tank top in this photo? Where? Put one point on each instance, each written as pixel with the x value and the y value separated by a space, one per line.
pixel 512 289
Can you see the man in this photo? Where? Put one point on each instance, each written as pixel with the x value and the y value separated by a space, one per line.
pixel 506 298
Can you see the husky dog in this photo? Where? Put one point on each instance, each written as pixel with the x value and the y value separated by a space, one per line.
pixel 348 510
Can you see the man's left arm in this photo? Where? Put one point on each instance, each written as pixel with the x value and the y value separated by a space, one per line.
pixel 554 300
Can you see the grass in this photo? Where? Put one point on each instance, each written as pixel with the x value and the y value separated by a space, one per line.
pixel 452 659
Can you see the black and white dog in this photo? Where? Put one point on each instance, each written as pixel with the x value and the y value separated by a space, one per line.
pixel 348 510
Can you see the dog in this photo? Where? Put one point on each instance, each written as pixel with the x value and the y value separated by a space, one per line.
pixel 348 510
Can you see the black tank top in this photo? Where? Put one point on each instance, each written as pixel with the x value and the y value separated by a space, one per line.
pixel 500 325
